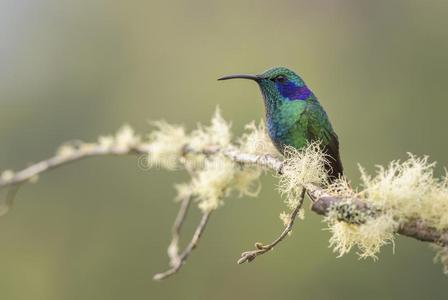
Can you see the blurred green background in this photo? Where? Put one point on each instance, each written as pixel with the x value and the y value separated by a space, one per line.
pixel 98 229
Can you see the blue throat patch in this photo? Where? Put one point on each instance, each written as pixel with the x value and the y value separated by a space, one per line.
pixel 292 91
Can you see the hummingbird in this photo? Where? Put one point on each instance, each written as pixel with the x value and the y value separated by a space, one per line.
pixel 294 116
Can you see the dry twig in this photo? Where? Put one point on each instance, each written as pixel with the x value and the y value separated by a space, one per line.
pixel 178 260
pixel 249 256
pixel 173 248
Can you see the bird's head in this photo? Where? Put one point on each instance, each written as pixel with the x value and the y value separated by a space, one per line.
pixel 278 84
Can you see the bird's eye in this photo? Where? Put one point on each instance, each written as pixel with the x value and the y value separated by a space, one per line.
pixel 280 79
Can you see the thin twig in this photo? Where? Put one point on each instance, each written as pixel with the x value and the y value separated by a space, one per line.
pixel 9 198
pixel 249 256
pixel 188 249
pixel 59 160
pixel 173 248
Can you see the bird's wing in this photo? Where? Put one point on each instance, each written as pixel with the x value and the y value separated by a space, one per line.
pixel 319 128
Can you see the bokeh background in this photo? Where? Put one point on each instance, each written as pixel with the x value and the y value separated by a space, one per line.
pixel 98 229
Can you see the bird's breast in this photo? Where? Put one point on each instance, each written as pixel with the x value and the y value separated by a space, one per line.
pixel 287 130
pixel 277 136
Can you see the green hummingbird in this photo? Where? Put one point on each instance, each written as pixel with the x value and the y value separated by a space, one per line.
pixel 294 116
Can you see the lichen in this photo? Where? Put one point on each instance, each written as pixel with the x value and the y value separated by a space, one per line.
pixel 301 167
pixel 401 192
pixel 219 178
pixel 256 140
pixel 368 237
pixel 125 138
pixel 7 175
pixel 166 144
pixel 216 134
pixel 441 257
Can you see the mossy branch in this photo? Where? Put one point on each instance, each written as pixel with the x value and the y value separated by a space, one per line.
pixel 240 165
pixel 416 229
pixel 322 201
pixel 33 171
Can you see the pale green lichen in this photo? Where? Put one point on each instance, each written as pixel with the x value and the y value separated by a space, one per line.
pixel 256 140
pixel 300 168
pixel 210 185
pixel 368 237
pixel 66 150
pixel 401 192
pixel 184 191
pixel 216 134
pixel 286 217
pixel 221 176
pixel 7 175
pixel 246 181
pixel 441 257
pixel 348 212
pixel 410 190
pixel 165 145
pixel 125 139
pixel 106 142
pixel 341 187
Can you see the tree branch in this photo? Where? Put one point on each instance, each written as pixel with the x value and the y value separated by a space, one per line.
pixel 178 260
pixel 322 201
pixel 249 256
pixel 416 229
pixel 173 248
pixel 88 150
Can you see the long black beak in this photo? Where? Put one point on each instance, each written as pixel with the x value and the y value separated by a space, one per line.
pixel 243 76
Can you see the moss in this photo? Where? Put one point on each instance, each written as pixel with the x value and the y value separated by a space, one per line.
pixel 166 145
pixel 256 140
pixel 402 191
pixel 301 168
pixel 441 256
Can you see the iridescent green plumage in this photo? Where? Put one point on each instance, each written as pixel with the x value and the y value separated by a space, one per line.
pixel 294 116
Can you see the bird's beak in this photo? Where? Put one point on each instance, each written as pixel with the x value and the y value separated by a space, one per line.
pixel 243 76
